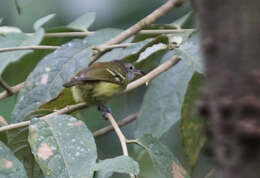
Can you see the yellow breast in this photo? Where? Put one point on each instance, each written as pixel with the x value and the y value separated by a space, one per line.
pixel 97 92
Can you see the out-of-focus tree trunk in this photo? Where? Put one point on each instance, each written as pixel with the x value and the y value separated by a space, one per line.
pixel 230 40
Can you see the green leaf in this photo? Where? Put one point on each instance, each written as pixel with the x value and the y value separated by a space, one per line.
pixel 180 22
pixel 189 51
pixel 29 61
pixel 40 22
pixel 83 22
pixel 10 166
pixel 150 57
pixel 15 40
pixel 63 147
pixel 18 143
pixel 45 82
pixel 161 107
pixel 120 164
pixel 133 52
pixel 163 160
pixel 191 125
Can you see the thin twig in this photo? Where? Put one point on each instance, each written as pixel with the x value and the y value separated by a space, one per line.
pixel 83 34
pixel 41 47
pixel 122 45
pixel 154 73
pixel 6 86
pixel 138 26
pixel 68 34
pixel 3 121
pixel 67 109
pixel 135 142
pixel 28 48
pixel 15 89
pixel 120 136
pixel 147 32
pixel 109 128
pixel 118 132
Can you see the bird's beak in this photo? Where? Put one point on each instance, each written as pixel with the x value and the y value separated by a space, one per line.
pixel 138 72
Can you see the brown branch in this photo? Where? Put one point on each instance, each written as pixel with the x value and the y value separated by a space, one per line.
pixel 6 86
pixel 138 26
pixel 28 48
pixel 67 109
pixel 109 128
pixel 83 34
pixel 154 73
pixel 3 121
pixel 120 135
pixel 147 32
pixel 14 89
pixel 42 47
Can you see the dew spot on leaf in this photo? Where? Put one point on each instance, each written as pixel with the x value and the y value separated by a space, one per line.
pixel 178 171
pixel 79 123
pixel 44 79
pixel 8 164
pixel 44 151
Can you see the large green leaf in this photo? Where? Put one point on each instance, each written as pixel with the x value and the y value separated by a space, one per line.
pixel 63 147
pixel 162 102
pixel 120 164
pixel 163 160
pixel 10 166
pixel 29 61
pixel 189 51
pixel 16 40
pixel 191 125
pixel 17 142
pixel 45 82
pixel 83 22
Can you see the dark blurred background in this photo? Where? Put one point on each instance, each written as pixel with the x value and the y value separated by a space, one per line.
pixel 109 13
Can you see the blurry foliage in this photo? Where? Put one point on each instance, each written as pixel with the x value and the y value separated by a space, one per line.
pixel 60 145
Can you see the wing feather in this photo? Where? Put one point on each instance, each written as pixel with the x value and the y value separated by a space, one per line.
pixel 113 72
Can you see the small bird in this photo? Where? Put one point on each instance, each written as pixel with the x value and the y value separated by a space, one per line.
pixel 97 83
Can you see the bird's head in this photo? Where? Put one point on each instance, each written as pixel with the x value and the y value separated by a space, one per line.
pixel 132 71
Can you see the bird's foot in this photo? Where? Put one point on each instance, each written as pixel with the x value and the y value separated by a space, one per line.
pixel 104 109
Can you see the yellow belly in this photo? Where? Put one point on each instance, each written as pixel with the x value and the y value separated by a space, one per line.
pixel 96 92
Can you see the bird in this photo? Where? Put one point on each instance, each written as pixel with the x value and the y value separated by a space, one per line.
pixel 100 81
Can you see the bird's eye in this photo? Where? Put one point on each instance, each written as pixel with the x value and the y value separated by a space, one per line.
pixel 131 67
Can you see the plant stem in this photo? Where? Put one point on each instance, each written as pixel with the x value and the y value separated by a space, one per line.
pixel 137 27
pixel 28 48
pixel 67 109
pixel 7 88
pixel 14 89
pixel 83 34
pixel 109 128
pixel 120 136
pixel 154 73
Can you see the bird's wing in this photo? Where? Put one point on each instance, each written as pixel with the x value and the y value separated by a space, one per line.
pixel 113 72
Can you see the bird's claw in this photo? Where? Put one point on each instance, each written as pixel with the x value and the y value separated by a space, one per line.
pixel 104 109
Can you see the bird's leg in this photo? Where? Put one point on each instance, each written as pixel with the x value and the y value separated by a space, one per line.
pixel 104 109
